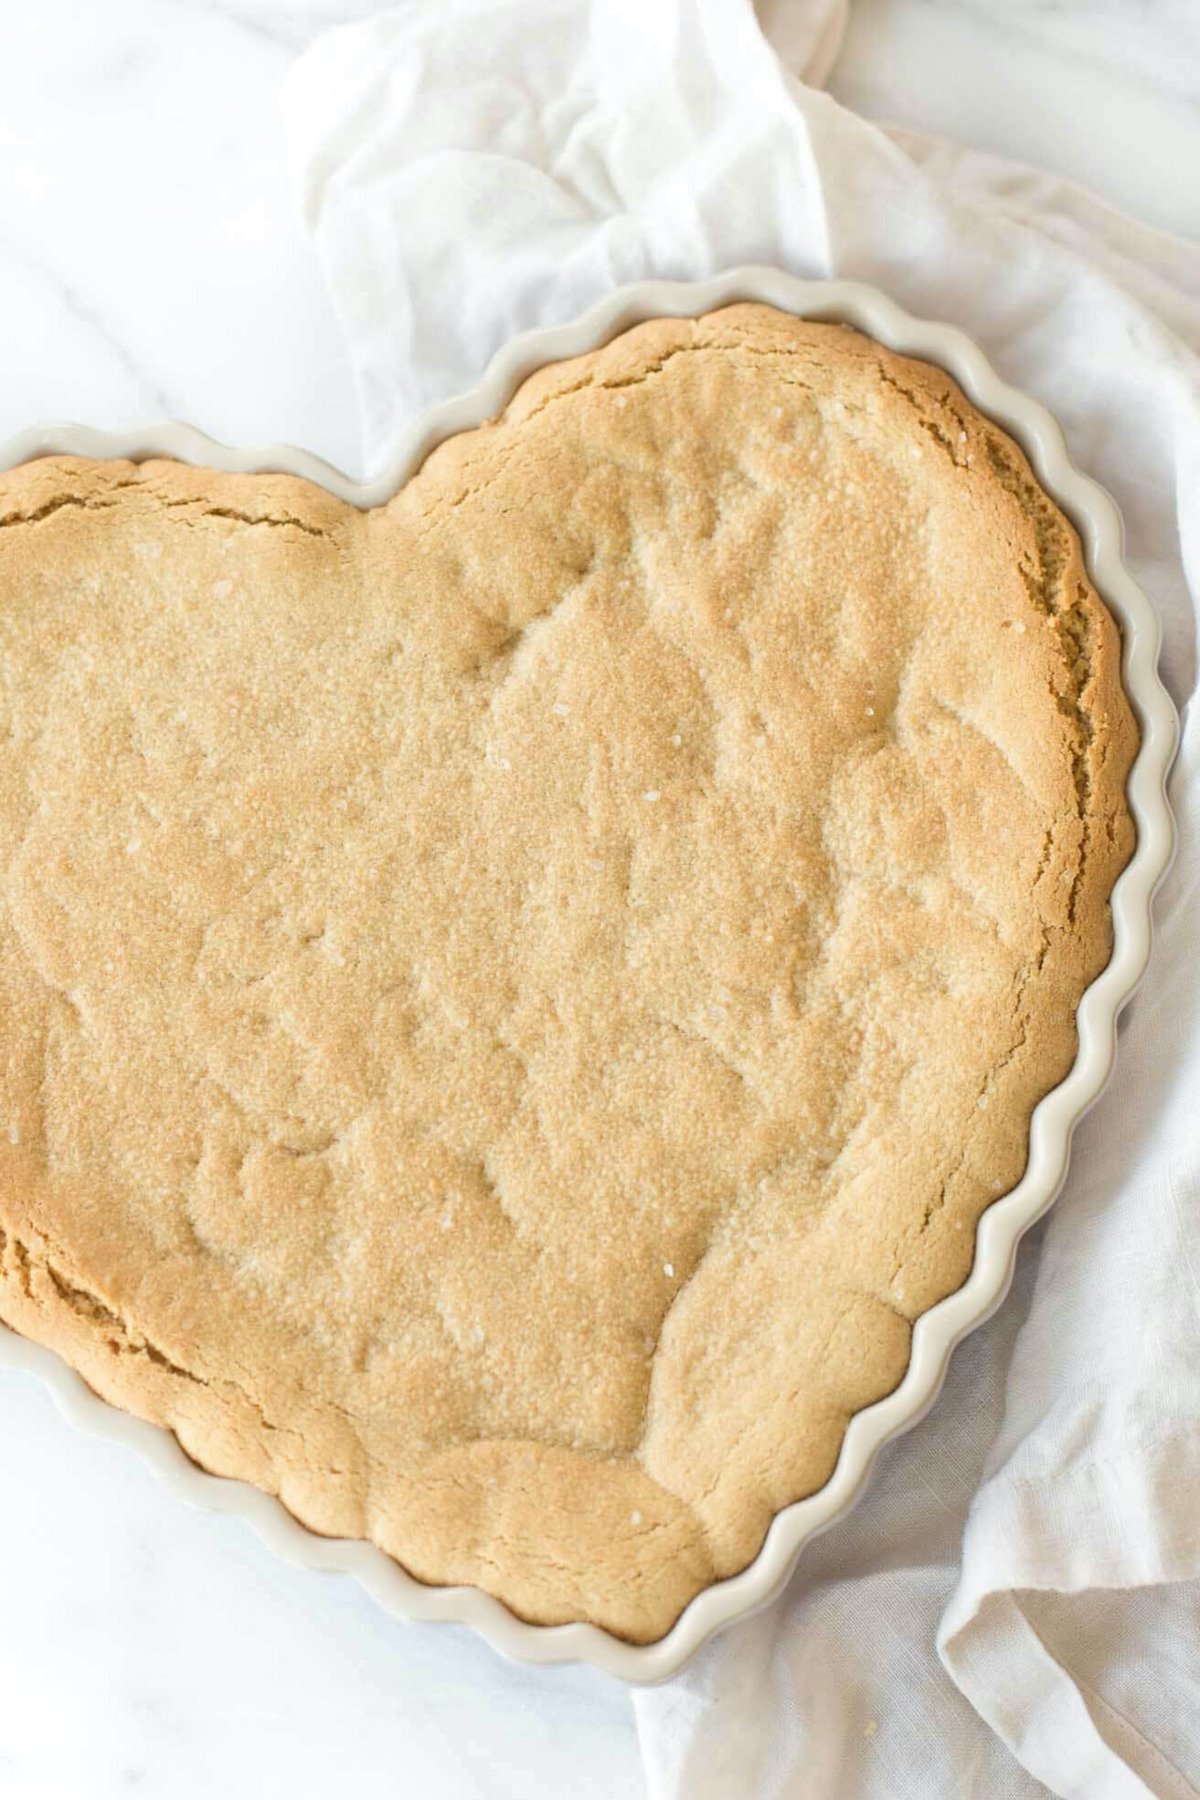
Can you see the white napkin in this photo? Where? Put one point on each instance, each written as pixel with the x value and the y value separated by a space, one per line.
pixel 1017 1601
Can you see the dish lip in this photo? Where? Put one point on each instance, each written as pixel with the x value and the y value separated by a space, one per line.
pixel 1001 1227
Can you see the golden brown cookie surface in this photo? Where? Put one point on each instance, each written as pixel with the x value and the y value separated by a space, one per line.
pixel 512 1002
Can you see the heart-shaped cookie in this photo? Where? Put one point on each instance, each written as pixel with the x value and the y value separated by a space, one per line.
pixel 514 1001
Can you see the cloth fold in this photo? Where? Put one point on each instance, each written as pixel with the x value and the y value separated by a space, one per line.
pixel 1015 1606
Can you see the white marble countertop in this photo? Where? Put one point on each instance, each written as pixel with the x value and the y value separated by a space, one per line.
pixel 149 265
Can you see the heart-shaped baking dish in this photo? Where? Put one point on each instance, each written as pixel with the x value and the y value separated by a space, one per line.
pixel 463 1205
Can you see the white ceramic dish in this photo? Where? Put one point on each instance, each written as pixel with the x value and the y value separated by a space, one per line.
pixel 937 1331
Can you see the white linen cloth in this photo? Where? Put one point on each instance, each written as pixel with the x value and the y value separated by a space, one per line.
pixel 1015 1606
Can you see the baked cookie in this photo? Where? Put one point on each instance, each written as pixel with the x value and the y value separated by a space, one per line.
pixel 514 1001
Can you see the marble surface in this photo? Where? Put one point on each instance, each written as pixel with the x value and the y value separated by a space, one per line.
pixel 1101 91
pixel 150 265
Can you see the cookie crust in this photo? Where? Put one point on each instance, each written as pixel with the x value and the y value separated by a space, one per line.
pixel 514 1001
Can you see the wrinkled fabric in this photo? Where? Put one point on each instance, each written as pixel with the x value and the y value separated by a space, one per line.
pixel 1015 1606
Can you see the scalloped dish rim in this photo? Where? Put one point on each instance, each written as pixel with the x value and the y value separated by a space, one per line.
pixel 935 1332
